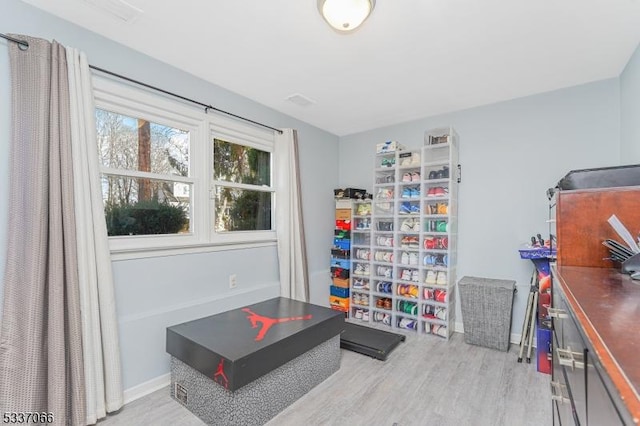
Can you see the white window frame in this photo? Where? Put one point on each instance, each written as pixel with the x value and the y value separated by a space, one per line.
pixel 228 130
pixel 112 95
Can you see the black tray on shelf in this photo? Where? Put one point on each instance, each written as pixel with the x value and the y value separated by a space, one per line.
pixel 603 177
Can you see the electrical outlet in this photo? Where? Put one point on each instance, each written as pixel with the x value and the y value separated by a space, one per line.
pixel 233 280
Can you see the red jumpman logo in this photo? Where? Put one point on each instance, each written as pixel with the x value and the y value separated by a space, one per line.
pixel 220 373
pixel 267 322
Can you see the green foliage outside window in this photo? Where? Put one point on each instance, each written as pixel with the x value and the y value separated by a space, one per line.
pixel 145 218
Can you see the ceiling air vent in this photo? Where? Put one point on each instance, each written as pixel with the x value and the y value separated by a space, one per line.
pixel 300 100
pixel 119 9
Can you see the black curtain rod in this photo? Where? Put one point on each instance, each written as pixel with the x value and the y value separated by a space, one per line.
pixel 24 45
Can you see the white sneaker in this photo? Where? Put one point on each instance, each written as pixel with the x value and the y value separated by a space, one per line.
pixel 439 330
pixel 406 275
pixel 415 159
pixel 407 323
pixel 431 277
pixel 358 314
pixel 441 278
pixel 407 225
pixel 365 316
pixel 366 269
pixel 413 259
pixel 441 313
pixel 415 275
pixel 404 259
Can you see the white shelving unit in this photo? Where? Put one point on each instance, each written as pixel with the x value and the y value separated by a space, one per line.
pixel 439 231
pixel 384 207
pixel 413 238
pixel 359 284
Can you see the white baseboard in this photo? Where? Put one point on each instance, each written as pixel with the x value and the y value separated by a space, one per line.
pixel 146 388
pixel 514 339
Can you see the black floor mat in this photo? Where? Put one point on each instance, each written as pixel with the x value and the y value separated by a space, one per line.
pixel 369 341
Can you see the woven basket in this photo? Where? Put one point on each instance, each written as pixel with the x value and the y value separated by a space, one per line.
pixel 486 306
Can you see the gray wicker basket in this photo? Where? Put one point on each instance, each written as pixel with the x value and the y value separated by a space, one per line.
pixel 486 306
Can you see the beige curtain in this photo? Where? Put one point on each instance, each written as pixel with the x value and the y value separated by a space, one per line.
pixel 41 361
pixel 292 249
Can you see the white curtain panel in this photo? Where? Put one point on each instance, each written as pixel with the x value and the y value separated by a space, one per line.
pixel 292 253
pixel 101 347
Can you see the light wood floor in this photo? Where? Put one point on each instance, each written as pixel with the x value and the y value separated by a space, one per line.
pixel 426 381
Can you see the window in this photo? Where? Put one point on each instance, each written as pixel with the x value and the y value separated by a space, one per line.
pixel 146 184
pixel 242 187
pixel 176 178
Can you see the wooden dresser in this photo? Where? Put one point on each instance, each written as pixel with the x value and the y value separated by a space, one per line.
pixel 596 347
pixel 595 313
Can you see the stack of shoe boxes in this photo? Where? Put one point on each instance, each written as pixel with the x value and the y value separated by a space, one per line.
pixel 340 257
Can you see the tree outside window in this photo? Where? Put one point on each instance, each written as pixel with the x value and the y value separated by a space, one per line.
pixel 242 186
pixel 142 164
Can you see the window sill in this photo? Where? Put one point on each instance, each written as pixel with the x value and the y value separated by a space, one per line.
pixel 131 254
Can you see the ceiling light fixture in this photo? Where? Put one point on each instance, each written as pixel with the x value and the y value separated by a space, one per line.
pixel 345 15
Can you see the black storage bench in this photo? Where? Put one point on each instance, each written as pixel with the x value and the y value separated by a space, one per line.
pixel 244 366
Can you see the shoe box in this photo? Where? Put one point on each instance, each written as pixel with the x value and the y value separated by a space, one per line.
pixel 341 282
pixel 342 244
pixel 355 193
pixel 389 146
pixel 339 303
pixel 341 233
pixel 340 254
pixel 339 291
pixel 343 214
pixel 340 263
pixel 337 272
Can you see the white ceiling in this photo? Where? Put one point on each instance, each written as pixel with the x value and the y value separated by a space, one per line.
pixel 410 59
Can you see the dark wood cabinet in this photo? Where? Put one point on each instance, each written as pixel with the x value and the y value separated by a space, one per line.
pixel 595 312
pixel 601 410
pixel 595 373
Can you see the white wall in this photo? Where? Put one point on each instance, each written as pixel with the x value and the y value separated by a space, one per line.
pixel 155 293
pixel 630 111
pixel 510 152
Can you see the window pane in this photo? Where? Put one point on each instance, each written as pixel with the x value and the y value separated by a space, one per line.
pixel 138 206
pixel 240 164
pixel 135 144
pixel 242 210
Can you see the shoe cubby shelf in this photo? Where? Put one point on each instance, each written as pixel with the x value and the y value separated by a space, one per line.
pixel 413 216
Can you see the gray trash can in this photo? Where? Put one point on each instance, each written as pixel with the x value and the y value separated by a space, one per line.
pixel 486 306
